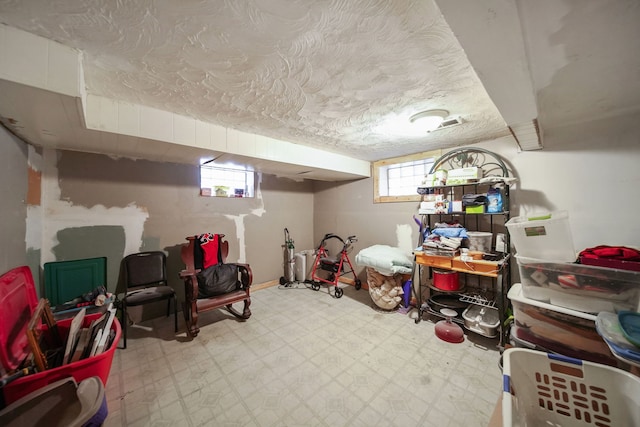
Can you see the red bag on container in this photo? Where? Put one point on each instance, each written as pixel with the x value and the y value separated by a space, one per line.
pixel 620 257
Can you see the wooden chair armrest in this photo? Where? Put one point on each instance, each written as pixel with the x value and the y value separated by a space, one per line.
pixel 187 273
pixel 246 275
pixel 190 279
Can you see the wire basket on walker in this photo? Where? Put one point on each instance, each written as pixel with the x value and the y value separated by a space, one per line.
pixel 336 267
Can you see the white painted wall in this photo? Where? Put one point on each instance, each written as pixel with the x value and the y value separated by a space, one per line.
pixel 61 214
pixel 591 170
pixel 13 190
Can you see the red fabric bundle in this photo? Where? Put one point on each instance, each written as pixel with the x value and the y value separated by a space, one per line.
pixel 621 253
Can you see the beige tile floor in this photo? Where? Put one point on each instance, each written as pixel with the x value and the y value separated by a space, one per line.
pixel 304 358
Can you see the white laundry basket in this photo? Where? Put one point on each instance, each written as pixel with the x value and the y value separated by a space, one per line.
pixel 548 389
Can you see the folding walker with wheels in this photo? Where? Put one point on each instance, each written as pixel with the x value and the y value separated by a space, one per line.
pixel 335 266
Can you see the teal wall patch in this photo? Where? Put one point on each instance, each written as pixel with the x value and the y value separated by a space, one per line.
pixel 90 242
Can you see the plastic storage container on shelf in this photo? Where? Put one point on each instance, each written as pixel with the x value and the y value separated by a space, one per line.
pixel 520 343
pixel 482 320
pixel 557 329
pixel 546 389
pixel 480 241
pixel 546 236
pixel 579 287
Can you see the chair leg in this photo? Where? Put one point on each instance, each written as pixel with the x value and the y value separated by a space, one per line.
pixel 124 324
pixel 175 313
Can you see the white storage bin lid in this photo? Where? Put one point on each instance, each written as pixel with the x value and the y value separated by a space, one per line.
pixel 543 236
pixel 539 218
pixel 515 294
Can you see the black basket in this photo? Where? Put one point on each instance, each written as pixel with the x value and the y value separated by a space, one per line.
pixel 328 264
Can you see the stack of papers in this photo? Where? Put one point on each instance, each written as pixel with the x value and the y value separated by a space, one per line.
pixel 84 342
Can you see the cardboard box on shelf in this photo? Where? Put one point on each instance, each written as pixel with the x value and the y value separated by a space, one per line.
pixel 474 209
pixel 463 175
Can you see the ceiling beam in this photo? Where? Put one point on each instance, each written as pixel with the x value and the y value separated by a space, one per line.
pixel 491 35
pixel 45 103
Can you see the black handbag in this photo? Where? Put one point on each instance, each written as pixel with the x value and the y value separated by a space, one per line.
pixel 474 200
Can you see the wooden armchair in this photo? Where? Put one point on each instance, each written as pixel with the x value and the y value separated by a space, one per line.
pixel 192 256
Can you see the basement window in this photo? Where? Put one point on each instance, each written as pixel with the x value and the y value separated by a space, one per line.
pixel 397 179
pixel 226 180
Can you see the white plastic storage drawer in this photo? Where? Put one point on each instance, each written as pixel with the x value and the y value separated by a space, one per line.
pixel 579 287
pixel 557 329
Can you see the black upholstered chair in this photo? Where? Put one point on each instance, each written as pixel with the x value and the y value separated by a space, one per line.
pixel 145 276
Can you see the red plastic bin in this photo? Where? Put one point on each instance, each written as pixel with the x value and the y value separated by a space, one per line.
pixel 17 303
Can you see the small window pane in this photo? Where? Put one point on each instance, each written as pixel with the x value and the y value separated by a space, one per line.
pixel 402 179
pixel 411 175
pixel 394 173
pixel 226 181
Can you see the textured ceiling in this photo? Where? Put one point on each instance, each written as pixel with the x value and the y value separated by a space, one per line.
pixel 335 75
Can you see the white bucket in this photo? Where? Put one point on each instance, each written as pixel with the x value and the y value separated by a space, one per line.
pixel 304 264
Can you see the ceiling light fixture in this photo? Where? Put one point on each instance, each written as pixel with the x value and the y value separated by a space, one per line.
pixel 426 121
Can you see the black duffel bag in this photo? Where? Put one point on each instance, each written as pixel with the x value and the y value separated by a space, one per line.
pixel 218 279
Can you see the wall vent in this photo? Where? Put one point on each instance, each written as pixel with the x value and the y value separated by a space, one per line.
pixel 450 122
pixel 454 121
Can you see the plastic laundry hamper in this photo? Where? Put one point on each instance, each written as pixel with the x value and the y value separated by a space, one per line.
pixel 61 403
pixel 549 389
